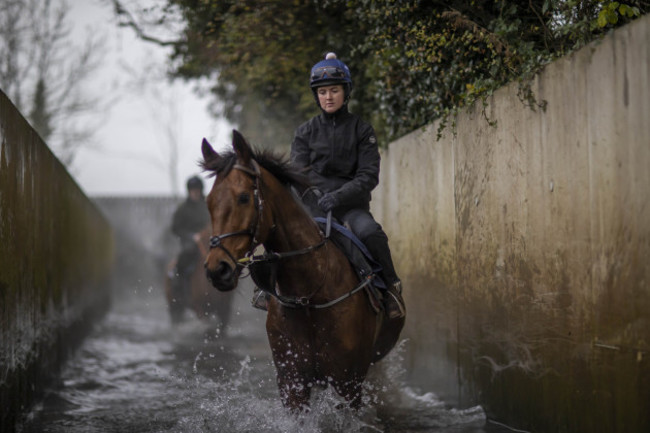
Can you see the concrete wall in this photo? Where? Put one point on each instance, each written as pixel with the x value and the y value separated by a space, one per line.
pixel 55 257
pixel 525 247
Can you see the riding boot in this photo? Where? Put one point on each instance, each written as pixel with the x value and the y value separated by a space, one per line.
pixel 260 299
pixel 393 301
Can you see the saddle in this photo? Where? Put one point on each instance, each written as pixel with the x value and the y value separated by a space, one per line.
pixel 264 273
pixel 360 258
pixel 356 252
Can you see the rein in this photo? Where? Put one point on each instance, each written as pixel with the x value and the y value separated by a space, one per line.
pixel 251 259
pixel 271 256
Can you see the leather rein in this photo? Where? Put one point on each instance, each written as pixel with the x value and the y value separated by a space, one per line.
pixel 249 258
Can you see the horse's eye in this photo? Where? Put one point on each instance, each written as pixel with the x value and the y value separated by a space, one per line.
pixel 244 198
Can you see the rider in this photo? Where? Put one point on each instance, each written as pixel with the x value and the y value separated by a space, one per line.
pixel 189 219
pixel 341 155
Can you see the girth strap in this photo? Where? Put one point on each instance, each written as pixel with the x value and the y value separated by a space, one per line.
pixel 305 302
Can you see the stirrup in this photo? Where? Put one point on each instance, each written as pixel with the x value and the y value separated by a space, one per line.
pixel 260 299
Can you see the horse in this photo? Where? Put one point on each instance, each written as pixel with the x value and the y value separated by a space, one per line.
pixel 207 303
pixel 322 330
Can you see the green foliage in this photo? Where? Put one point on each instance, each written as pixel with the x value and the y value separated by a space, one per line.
pixel 412 61
pixel 611 11
pixel 260 53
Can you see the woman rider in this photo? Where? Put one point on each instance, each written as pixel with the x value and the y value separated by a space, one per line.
pixel 340 154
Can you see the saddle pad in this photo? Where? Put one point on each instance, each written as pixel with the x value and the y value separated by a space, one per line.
pixel 355 251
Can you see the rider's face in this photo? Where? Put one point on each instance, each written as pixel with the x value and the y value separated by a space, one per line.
pixel 331 98
pixel 195 194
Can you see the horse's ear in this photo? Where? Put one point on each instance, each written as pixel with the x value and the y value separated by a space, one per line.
pixel 241 147
pixel 208 152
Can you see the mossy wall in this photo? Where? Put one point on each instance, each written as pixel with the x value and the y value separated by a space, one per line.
pixel 55 258
pixel 525 247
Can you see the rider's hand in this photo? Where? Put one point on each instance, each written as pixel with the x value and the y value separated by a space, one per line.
pixel 327 202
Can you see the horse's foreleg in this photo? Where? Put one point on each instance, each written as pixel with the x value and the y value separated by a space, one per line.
pixel 351 391
pixel 294 393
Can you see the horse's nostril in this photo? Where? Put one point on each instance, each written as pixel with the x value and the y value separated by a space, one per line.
pixel 221 273
pixel 222 276
pixel 223 270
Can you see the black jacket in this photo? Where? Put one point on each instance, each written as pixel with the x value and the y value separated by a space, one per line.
pixel 341 153
pixel 189 218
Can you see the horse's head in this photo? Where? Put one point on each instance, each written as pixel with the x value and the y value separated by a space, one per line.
pixel 236 209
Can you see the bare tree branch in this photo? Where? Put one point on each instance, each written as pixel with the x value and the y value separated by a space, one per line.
pixel 45 74
pixel 130 21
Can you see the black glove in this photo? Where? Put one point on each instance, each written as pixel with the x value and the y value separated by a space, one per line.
pixel 328 202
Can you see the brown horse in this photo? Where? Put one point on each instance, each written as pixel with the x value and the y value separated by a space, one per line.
pixel 321 327
pixel 207 303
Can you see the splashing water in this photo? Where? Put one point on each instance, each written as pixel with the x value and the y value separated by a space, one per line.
pixel 136 373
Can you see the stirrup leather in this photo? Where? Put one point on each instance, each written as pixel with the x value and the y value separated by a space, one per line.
pixel 394 303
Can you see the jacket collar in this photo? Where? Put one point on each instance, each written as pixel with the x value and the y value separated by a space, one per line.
pixel 335 115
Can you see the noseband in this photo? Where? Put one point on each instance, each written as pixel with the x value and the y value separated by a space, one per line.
pixel 216 241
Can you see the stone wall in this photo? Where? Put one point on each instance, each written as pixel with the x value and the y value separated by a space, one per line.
pixel 525 247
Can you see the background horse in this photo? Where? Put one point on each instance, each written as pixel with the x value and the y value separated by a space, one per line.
pixel 200 296
pixel 320 328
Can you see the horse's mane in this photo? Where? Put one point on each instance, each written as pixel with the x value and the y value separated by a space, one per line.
pixel 278 165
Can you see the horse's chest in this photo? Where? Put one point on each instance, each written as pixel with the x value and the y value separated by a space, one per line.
pixel 317 343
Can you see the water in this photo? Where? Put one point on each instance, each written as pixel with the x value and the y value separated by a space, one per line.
pixel 135 373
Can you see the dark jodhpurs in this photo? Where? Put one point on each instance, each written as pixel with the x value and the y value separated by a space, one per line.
pixel 369 231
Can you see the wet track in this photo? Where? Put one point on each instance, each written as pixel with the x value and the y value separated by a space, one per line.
pixel 135 373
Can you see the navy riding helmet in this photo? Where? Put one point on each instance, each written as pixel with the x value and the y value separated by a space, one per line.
pixel 328 72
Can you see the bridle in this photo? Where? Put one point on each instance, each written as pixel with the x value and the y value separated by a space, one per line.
pixel 249 258
pixel 216 241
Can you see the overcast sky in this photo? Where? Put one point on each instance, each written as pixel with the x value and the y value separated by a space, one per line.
pixel 131 142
